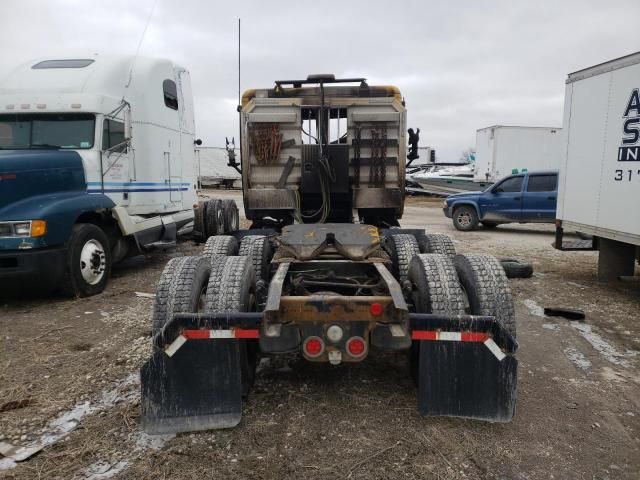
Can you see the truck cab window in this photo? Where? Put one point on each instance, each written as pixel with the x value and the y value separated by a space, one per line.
pixel 170 94
pixel 112 135
pixel 542 183
pixel 510 185
pixel 47 130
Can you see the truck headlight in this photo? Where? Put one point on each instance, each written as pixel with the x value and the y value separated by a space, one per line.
pixel 22 229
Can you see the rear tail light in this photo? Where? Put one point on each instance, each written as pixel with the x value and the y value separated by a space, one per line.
pixel 357 347
pixel 376 309
pixel 313 347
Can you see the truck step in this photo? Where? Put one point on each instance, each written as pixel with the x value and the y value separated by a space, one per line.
pixel 160 245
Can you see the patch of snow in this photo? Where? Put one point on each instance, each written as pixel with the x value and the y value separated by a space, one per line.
pixel 577 358
pixel 101 470
pixel 59 427
pixel 534 308
pixel 601 345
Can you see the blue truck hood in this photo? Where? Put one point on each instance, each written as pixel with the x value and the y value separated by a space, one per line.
pixel 29 173
pixel 464 195
pixel 47 185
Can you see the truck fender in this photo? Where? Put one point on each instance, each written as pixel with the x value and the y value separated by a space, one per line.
pixel 466 202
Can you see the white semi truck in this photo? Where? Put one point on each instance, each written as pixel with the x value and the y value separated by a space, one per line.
pixel 501 149
pixel 599 187
pixel 97 163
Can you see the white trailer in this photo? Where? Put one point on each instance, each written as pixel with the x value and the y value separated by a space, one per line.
pixel 599 187
pixel 502 149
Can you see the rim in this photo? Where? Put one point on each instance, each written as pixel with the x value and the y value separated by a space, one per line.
pixel 464 219
pixel 93 262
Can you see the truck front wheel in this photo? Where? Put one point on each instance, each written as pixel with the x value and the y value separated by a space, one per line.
pixel 88 263
pixel 465 218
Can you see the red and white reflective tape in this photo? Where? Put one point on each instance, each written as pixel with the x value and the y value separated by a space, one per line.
pixel 475 337
pixel 233 333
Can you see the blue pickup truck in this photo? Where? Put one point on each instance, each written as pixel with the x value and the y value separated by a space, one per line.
pixel 527 197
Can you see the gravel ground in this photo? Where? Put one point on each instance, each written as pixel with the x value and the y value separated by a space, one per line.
pixel 68 379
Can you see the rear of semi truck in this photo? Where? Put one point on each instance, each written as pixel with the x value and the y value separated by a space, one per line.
pixel 599 188
pixel 325 271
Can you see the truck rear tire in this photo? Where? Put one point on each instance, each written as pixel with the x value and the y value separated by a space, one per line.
pixel 465 218
pixel 434 289
pixel 214 219
pixel 224 245
pixel 231 288
pixel 258 248
pixel 181 289
pixel 88 263
pixel 487 288
pixel 402 248
pixel 231 216
pixel 439 243
pixel 199 229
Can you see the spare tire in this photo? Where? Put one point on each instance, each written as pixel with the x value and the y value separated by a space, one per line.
pixel 199 229
pixel 515 268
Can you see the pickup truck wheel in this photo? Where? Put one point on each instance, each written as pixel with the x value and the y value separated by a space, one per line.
pixel 231 289
pixel 181 289
pixel 465 218
pixel 487 288
pixel 88 262
pixel 402 248
pixel 434 289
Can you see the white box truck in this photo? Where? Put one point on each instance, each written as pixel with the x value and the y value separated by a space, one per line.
pixel 501 149
pixel 97 163
pixel 599 188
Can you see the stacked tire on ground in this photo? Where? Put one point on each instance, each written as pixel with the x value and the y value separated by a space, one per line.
pixel 215 217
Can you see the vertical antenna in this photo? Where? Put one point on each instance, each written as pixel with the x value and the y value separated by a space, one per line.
pixel 238 61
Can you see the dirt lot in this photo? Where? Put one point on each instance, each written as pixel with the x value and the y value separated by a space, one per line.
pixel 68 378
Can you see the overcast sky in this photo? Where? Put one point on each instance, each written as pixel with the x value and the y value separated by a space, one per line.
pixel 460 65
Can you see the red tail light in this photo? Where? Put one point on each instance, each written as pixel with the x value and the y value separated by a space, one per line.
pixel 356 346
pixel 376 309
pixel 313 347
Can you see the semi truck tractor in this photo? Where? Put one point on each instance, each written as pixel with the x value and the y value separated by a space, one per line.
pixel 325 271
pixel 96 164
pixel 599 187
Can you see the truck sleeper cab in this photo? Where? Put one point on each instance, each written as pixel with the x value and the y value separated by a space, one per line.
pixel 98 152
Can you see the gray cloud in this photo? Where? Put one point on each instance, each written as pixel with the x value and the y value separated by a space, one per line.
pixel 460 65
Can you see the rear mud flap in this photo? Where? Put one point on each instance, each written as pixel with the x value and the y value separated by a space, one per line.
pixel 465 379
pixel 198 388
